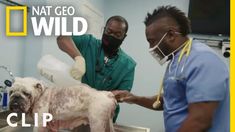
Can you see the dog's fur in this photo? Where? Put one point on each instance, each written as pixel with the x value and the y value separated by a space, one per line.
pixel 70 106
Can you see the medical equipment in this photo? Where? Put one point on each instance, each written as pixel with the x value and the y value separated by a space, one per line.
pixel 226 49
pixel 185 51
pixel 56 71
pixel 3 86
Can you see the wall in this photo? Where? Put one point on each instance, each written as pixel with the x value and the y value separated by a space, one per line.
pixel 21 54
pixel 148 73
pixel 33 45
pixel 11 48
pixel 39 46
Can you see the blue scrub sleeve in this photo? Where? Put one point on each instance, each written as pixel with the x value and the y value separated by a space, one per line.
pixel 207 79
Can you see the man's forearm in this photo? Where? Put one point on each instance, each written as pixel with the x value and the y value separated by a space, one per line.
pixel 147 102
pixel 67 45
pixel 200 117
pixel 192 124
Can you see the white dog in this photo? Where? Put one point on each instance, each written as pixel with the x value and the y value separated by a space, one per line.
pixel 70 106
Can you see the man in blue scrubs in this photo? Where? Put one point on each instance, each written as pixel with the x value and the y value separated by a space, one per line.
pixel 196 82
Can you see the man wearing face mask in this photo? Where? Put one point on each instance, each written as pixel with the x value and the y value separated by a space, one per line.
pixel 108 67
pixel 196 81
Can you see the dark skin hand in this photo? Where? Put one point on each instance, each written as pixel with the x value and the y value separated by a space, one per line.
pixel 127 97
pixel 200 117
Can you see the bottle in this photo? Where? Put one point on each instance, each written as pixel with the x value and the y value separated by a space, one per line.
pixel 4 99
pixel 1 99
pixel 56 71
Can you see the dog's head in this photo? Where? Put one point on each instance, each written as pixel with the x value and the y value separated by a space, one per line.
pixel 23 93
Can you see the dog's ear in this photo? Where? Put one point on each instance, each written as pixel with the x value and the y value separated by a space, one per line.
pixel 38 86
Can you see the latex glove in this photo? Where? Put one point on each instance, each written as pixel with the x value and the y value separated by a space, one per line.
pixel 79 68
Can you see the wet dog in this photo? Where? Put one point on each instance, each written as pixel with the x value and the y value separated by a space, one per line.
pixel 70 106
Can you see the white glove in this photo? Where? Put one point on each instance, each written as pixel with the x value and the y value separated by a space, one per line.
pixel 79 68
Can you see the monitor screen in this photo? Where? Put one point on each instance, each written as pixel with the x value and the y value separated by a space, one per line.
pixel 210 17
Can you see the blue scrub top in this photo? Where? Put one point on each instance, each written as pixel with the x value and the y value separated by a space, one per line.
pixel 205 78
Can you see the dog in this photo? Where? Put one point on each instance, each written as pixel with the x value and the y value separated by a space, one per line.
pixel 69 106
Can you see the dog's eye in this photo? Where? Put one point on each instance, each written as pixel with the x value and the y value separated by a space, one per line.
pixel 27 94
pixel 10 93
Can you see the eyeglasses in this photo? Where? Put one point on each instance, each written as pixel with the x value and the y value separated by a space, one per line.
pixel 118 35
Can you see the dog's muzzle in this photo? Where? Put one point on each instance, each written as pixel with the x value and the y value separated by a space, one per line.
pixel 16 104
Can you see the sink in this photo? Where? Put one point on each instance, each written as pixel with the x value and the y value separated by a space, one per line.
pixel 124 128
pixel 5 128
pixel 16 129
pixel 3 118
pixel 118 128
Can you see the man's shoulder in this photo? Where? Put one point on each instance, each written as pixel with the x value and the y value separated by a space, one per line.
pixel 126 59
pixel 200 49
pixel 202 54
pixel 83 42
pixel 86 37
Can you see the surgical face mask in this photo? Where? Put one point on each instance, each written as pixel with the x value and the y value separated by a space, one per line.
pixel 163 58
pixel 110 44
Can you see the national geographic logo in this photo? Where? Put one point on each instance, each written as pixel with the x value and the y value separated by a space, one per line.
pixel 45 24
pixel 8 20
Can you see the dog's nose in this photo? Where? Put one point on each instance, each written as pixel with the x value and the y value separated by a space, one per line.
pixel 14 106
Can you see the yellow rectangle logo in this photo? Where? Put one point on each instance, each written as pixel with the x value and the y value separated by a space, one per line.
pixel 8 13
